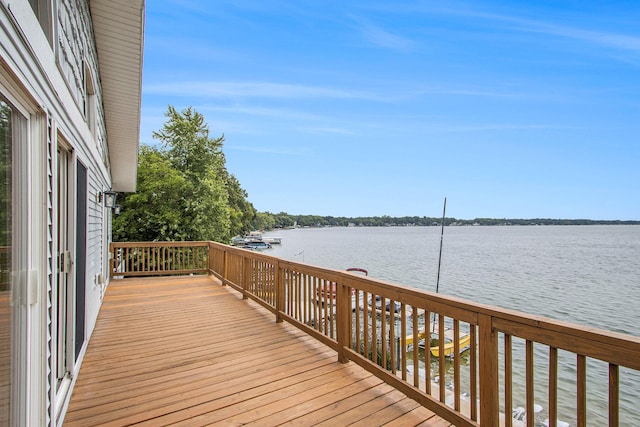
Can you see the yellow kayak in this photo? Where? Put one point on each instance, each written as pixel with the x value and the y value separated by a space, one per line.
pixel 464 342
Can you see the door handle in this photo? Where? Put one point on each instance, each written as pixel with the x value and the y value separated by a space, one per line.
pixel 65 262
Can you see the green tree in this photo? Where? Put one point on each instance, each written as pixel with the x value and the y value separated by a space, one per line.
pixel 283 220
pixel 242 213
pixel 185 137
pixel 153 212
pixel 264 221
pixel 184 190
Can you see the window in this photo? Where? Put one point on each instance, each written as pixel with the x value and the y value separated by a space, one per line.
pixel 43 11
pixel 90 107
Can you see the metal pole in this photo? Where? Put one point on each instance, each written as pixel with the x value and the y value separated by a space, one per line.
pixel 444 209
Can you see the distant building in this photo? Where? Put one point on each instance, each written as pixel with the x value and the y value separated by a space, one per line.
pixel 70 86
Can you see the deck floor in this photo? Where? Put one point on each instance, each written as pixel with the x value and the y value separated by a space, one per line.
pixel 191 352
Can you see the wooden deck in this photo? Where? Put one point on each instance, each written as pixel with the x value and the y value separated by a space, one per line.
pixel 188 351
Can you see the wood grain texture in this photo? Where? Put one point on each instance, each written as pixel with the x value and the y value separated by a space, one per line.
pixel 187 351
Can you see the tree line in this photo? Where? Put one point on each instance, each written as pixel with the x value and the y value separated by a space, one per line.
pixel 185 193
pixel 285 220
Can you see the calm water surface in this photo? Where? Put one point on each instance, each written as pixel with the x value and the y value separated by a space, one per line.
pixel 589 275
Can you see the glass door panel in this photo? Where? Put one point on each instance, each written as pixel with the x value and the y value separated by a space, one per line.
pixel 13 255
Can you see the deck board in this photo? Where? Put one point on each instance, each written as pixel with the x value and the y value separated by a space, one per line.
pixel 187 351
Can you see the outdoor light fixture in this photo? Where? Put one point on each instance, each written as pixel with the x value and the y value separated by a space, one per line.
pixel 110 199
pixel 116 210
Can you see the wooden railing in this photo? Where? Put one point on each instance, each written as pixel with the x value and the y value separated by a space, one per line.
pixel 513 359
pixel 158 258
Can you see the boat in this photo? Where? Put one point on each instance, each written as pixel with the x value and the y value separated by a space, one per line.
pixel 258 237
pixel 464 342
pixel 253 237
pixel 449 346
pixel 238 241
pixel 256 246
pixel 272 240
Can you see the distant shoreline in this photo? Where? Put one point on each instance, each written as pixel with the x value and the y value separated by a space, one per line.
pixel 284 220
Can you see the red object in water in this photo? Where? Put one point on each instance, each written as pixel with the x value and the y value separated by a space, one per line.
pixel 330 290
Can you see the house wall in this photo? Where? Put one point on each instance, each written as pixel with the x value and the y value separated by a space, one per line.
pixel 48 79
pixel 76 52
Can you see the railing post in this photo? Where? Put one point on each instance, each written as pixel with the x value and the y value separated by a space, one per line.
pixel 488 352
pixel 280 292
pixel 246 276
pixel 343 313
pixel 225 267
pixel 112 260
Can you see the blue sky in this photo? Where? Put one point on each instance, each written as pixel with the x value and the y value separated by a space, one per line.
pixel 510 109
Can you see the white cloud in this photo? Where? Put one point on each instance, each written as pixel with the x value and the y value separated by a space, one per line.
pixel 280 113
pixel 602 38
pixel 380 37
pixel 606 39
pixel 489 127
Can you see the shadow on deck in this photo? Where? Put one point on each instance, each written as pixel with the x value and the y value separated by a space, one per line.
pixel 186 350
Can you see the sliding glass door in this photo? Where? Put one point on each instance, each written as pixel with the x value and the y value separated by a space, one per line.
pixel 13 260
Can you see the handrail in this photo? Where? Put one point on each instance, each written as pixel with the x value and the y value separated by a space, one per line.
pixel 130 259
pixel 388 329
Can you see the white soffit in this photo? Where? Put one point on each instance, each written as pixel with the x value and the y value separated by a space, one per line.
pixel 118 26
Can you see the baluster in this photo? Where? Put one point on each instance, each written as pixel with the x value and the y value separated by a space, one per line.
pixel 348 313
pixel 529 383
pixel 427 351
pixel 383 332
pixel 553 387
pixel 262 285
pixel 366 323
pixel 441 369
pixel 318 303
pixel 392 336
pixel 473 372
pixel 582 390
pixel 508 380
pixel 357 314
pixel 374 329
pixel 416 364
pixel 403 340
pixel 278 287
pixel 614 395
pixel 333 307
pixel 325 306
pixel 307 300
pixel 456 364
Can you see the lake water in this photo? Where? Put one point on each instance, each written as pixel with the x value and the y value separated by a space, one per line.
pixel 589 275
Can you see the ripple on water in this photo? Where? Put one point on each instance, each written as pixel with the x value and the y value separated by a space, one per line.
pixel 588 275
